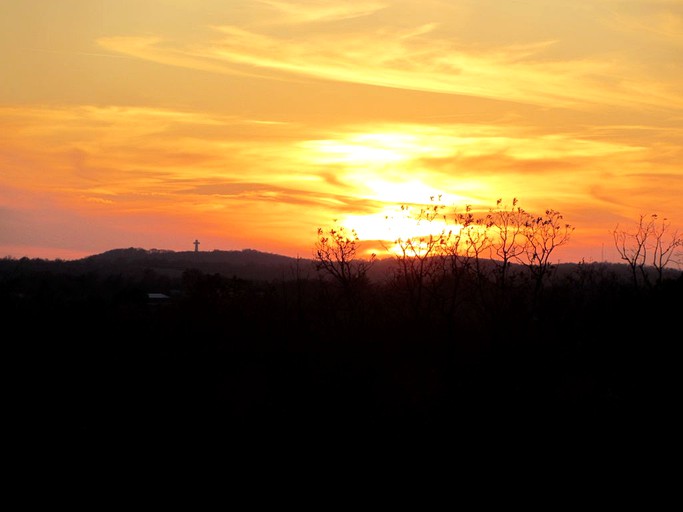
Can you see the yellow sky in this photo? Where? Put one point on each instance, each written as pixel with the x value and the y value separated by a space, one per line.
pixel 251 123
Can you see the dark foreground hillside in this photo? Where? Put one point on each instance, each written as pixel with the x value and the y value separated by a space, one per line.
pixel 216 361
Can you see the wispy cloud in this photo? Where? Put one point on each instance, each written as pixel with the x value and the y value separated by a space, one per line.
pixel 321 10
pixel 414 59
pixel 660 19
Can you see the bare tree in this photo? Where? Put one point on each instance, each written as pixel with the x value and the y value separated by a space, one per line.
pixel 506 226
pixel 476 242
pixel 462 248
pixel 543 234
pixel 336 253
pixel 463 244
pixel 420 258
pixel 666 245
pixel 633 246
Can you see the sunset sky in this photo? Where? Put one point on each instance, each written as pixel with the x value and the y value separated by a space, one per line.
pixel 251 123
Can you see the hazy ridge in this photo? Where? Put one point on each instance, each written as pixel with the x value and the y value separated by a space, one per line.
pixel 249 264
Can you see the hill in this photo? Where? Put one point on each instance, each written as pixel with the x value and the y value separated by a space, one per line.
pixel 247 264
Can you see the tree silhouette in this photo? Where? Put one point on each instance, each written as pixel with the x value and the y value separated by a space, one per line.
pixel 543 235
pixel 421 260
pixel 666 246
pixel 506 226
pixel 651 241
pixel 336 253
pixel 632 246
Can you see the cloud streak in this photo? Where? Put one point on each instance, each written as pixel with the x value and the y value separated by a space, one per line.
pixel 418 57
pixel 316 11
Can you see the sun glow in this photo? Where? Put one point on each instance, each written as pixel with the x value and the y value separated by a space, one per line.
pixel 396 227
pixel 354 154
pixel 386 168
pixel 378 148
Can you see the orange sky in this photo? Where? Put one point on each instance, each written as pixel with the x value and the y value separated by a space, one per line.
pixel 251 123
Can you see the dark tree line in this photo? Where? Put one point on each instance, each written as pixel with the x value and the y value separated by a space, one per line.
pixel 445 347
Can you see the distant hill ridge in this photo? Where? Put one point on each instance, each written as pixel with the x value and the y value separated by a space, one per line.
pixel 244 264
pixel 244 256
